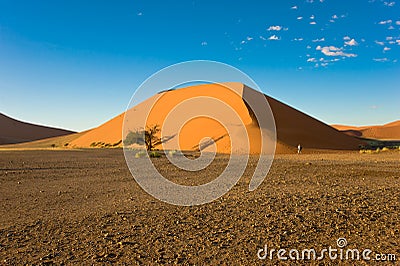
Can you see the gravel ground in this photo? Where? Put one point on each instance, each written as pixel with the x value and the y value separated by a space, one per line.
pixel 84 207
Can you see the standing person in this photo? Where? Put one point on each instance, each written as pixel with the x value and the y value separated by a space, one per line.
pixel 299 148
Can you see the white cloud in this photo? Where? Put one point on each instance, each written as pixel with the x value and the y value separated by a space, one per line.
pixel 299 18
pixel 398 42
pixel 140 14
pixel 298 39
pixel 383 22
pixel 332 48
pixel 204 43
pixel 312 17
pixel 249 38
pixel 274 38
pixel 380 59
pixel 386 49
pixel 352 42
pixel 263 38
pixel 277 28
pixel 324 64
pixel 390 27
pixel 319 40
pixel 312 59
pixel 379 43
pixel 346 38
pixel 294 7
pixel 313 22
pixel 333 51
pixel 308 47
pixel 335 17
pixel 389 38
pixel 398 22
pixel 389 3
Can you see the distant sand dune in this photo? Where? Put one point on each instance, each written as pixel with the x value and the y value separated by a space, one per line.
pixel 14 131
pixel 390 131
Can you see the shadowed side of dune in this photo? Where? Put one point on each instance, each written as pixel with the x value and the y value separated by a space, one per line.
pixel 14 131
pixel 294 127
pixel 352 132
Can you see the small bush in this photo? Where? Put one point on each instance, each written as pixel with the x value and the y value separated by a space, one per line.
pixel 154 154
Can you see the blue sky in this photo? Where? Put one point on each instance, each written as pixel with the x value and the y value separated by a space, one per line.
pixel 75 64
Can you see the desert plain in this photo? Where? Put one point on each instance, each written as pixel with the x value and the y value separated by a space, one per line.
pixel 83 207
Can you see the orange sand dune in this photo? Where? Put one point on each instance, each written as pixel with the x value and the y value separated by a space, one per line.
pixel 390 131
pixel 293 127
pixel 14 131
pixel 344 127
pixel 194 130
pixel 393 124
pixel 107 133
